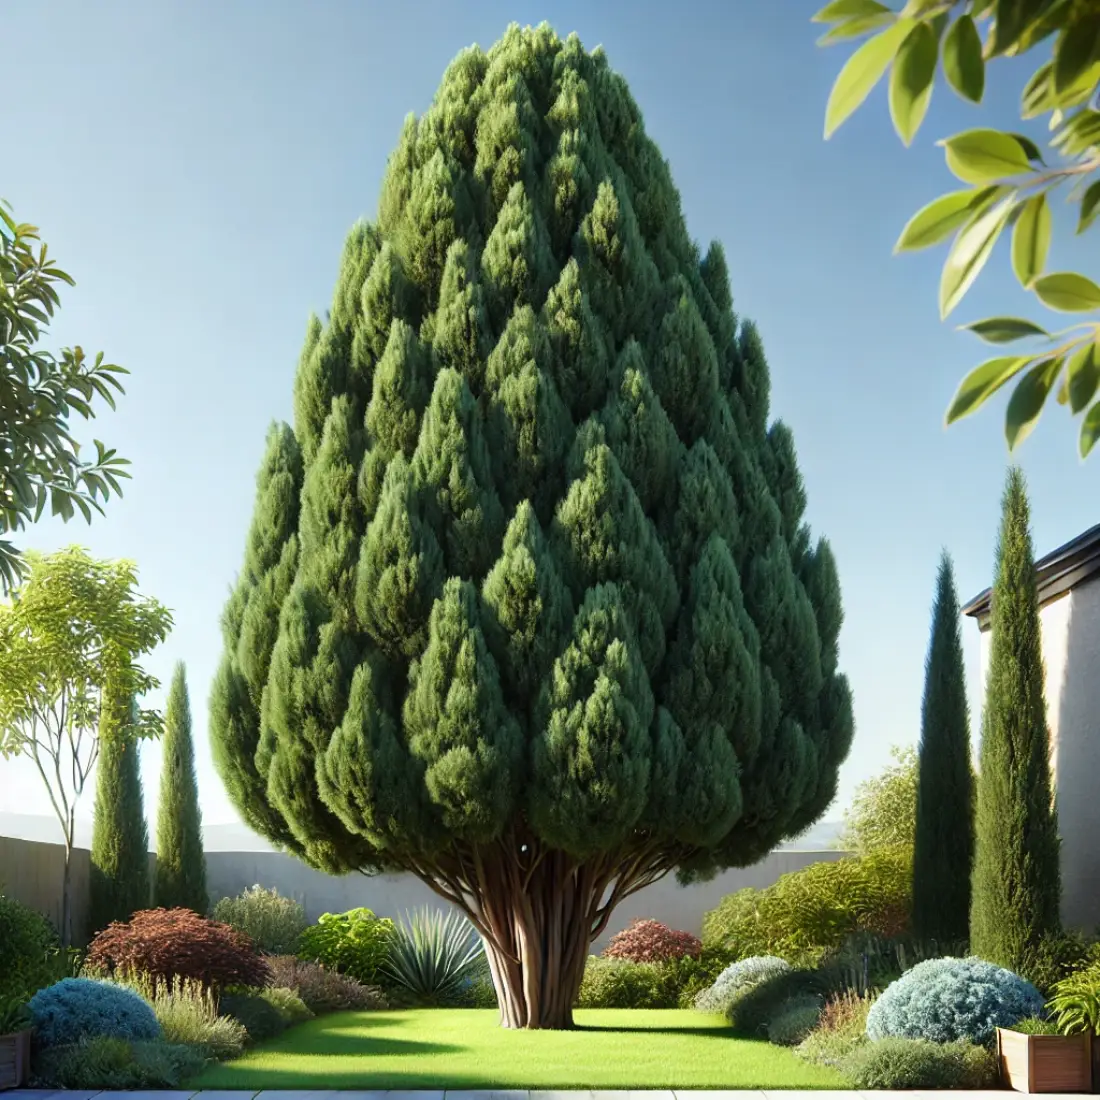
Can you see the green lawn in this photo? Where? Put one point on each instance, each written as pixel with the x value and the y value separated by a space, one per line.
pixel 466 1049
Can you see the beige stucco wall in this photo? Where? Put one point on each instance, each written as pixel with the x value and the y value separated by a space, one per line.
pixel 31 872
pixel 1071 654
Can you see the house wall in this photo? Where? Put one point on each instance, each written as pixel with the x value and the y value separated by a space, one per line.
pixel 31 872
pixel 1071 654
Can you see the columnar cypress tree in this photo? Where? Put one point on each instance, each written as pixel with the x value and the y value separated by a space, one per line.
pixel 181 866
pixel 528 607
pixel 119 882
pixel 943 852
pixel 1017 879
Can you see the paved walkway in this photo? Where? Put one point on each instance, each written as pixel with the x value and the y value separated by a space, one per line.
pixel 502 1094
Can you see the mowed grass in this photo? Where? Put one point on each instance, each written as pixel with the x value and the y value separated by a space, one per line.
pixel 467 1049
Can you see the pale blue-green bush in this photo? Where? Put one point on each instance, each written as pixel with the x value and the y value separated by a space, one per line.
pixel 80 1008
pixel 737 977
pixel 948 1000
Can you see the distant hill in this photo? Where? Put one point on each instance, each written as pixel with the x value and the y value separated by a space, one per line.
pixel 239 838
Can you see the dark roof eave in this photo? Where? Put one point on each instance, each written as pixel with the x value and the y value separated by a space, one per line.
pixel 1056 574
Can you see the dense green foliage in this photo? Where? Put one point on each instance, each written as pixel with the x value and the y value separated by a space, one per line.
pixel 1009 181
pixel 1076 1001
pixel 180 880
pixel 757 1005
pixel 102 1062
pixel 272 922
pixel 119 883
pixel 896 1064
pixel 27 942
pixel 883 813
pixel 943 849
pixel 530 577
pixel 40 460
pixel 356 943
pixel 809 913
pixel 1017 878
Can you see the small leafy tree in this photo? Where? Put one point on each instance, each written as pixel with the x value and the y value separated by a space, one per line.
pixel 40 460
pixel 73 627
pixel 1008 182
pixel 884 809
pixel 1017 885
pixel 181 865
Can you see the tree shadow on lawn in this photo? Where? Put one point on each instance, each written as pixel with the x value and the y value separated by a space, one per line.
pixel 345 1043
pixel 713 1032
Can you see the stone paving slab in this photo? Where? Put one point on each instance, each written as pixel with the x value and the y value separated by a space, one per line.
pixel 509 1094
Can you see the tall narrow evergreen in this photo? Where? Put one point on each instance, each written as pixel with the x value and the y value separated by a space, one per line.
pixel 943 852
pixel 181 866
pixel 119 883
pixel 1017 881
pixel 528 607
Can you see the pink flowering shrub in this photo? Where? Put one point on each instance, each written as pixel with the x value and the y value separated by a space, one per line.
pixel 650 941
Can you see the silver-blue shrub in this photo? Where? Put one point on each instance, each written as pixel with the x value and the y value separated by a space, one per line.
pixel 736 977
pixel 78 1008
pixel 946 1000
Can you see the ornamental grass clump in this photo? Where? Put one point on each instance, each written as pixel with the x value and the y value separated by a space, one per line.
pixel 737 977
pixel 650 941
pixel 950 1000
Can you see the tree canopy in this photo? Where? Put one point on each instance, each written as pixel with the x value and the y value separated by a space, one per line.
pixel 883 812
pixel 529 607
pixel 1009 183
pixel 40 459
pixel 72 632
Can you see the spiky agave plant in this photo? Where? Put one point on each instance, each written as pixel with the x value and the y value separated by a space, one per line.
pixel 434 955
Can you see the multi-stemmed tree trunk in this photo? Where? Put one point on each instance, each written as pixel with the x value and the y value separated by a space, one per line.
pixel 528 606
pixel 943 850
pixel 180 880
pixel 1017 882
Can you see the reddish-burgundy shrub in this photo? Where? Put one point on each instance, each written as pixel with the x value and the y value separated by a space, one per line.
pixel 178 943
pixel 650 941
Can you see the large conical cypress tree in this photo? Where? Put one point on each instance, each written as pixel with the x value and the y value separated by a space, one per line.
pixel 528 606
pixel 1017 879
pixel 180 881
pixel 943 851
pixel 119 881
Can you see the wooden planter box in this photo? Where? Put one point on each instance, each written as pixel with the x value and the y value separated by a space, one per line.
pixel 1045 1063
pixel 15 1059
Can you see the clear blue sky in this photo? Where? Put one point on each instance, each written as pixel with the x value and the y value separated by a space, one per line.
pixel 195 165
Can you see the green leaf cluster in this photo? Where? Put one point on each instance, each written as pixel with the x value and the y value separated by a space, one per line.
pixel 1009 181
pixel 40 459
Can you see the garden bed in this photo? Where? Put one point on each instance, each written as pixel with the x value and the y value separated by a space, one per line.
pixel 467 1049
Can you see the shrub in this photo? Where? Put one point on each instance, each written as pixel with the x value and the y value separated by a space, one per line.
pixel 288 1004
pixel 1035 1025
pixel 1076 1001
pixel 163 944
pixel 689 977
pixel 652 942
pixel 754 1007
pixel 356 943
pixel 738 976
pixel 920 1064
pixel 617 983
pixel 323 990
pixel 28 944
pixel 944 1000
pixel 841 1029
pixel 809 913
pixel 188 1013
pixel 15 1014
pixel 78 1008
pixel 258 1016
pixel 794 1020
pixel 272 922
pixel 1056 958
pixel 101 1062
pixel 433 954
